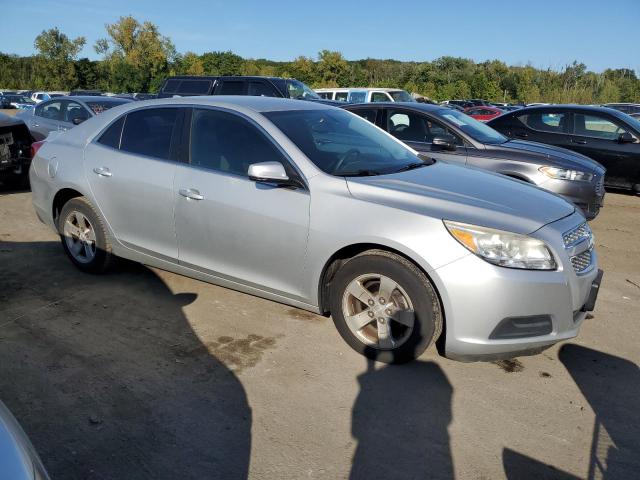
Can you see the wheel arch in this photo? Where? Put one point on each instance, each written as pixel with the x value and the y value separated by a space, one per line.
pixel 61 197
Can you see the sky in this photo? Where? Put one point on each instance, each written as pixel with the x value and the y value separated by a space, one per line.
pixel 546 33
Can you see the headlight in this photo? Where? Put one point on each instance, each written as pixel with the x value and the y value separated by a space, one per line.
pixel 564 174
pixel 503 248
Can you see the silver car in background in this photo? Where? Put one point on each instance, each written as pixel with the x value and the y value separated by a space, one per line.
pixel 18 458
pixel 62 113
pixel 315 207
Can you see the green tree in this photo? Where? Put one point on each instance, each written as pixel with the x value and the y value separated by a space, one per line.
pixel 333 69
pixel 136 54
pixel 222 63
pixel 57 52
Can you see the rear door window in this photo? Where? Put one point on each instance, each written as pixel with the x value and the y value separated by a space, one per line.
pixel 358 97
pixel 262 89
pixel 149 132
pixel 366 113
pixel 194 87
pixel 342 96
pixel 73 111
pixel 553 122
pixel 379 97
pixel 232 87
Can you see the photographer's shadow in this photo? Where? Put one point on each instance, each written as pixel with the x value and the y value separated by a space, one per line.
pixel 400 420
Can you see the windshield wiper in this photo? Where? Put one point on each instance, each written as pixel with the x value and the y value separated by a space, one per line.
pixel 359 173
pixel 412 166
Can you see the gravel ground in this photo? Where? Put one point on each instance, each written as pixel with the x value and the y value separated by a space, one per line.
pixel 143 374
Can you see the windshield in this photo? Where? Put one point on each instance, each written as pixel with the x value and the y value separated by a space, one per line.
pixel 472 127
pixel 99 107
pixel 633 122
pixel 343 144
pixel 300 91
pixel 401 96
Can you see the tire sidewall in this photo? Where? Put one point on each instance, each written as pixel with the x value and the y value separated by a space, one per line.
pixel 101 259
pixel 418 288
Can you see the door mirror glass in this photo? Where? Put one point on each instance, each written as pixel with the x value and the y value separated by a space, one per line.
pixel 272 172
pixel 444 142
pixel 625 137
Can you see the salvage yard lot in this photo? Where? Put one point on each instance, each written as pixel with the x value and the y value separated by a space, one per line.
pixel 145 374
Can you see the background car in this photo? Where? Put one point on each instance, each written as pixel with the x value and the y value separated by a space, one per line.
pixel 629 108
pixel 44 96
pixel 63 113
pixel 15 151
pixel 609 136
pixel 19 101
pixel 191 86
pixel 484 113
pixel 18 458
pixel 362 95
pixel 446 134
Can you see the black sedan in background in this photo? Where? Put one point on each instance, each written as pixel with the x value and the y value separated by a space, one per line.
pixel 447 134
pixel 606 135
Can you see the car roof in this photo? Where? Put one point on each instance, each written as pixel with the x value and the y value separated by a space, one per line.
pixel 571 107
pixel 92 98
pixel 363 89
pixel 425 107
pixel 255 103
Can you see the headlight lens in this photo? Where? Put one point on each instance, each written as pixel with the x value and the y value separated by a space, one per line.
pixel 503 248
pixel 565 174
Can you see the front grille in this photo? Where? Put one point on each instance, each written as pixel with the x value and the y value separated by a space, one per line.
pixel 582 261
pixel 578 234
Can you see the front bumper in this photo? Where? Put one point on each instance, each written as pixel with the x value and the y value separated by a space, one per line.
pixel 478 297
pixel 587 196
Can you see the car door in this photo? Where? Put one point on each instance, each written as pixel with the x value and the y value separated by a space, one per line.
pixel 45 119
pixel 230 226
pixel 130 168
pixel 598 136
pixel 418 130
pixel 544 126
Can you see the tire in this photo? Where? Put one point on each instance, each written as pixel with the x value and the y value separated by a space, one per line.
pixel 405 336
pixel 88 248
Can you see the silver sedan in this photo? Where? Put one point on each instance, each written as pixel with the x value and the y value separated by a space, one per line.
pixel 312 206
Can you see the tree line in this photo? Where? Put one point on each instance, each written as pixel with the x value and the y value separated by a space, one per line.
pixel 136 57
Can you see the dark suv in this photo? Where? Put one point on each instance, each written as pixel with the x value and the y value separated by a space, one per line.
pixel 188 86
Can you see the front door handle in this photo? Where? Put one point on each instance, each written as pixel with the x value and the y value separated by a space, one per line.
pixel 191 193
pixel 522 135
pixel 578 141
pixel 102 171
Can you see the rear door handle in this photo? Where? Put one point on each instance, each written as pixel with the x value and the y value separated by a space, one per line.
pixel 191 193
pixel 578 141
pixel 522 135
pixel 102 171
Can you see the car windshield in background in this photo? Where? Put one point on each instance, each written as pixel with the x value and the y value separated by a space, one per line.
pixel 343 144
pixel 99 107
pixel 19 99
pixel 475 129
pixel 634 122
pixel 401 96
pixel 299 90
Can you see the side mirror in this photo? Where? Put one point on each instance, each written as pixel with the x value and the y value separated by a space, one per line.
pixel 444 142
pixel 270 172
pixel 625 137
pixel 78 120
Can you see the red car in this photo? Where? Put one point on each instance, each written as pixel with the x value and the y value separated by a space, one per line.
pixel 483 113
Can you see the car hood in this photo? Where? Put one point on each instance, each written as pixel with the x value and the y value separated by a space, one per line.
pixel 464 194
pixel 555 156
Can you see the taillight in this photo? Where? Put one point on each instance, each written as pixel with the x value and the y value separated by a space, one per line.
pixel 35 146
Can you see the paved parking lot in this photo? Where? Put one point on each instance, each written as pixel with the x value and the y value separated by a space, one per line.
pixel 146 374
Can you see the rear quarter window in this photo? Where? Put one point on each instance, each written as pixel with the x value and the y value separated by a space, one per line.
pixel 148 132
pixel 111 136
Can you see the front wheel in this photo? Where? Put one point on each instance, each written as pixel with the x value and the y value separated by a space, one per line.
pixel 385 307
pixel 84 237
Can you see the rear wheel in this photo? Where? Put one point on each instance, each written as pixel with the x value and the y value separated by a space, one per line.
pixel 84 237
pixel 385 307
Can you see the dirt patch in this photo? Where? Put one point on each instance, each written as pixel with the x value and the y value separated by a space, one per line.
pixel 510 366
pixel 303 314
pixel 236 354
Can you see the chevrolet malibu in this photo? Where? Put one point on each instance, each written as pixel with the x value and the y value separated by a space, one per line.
pixel 315 207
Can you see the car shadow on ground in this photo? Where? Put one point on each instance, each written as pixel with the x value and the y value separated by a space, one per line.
pixel 107 376
pixel 400 420
pixel 611 386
